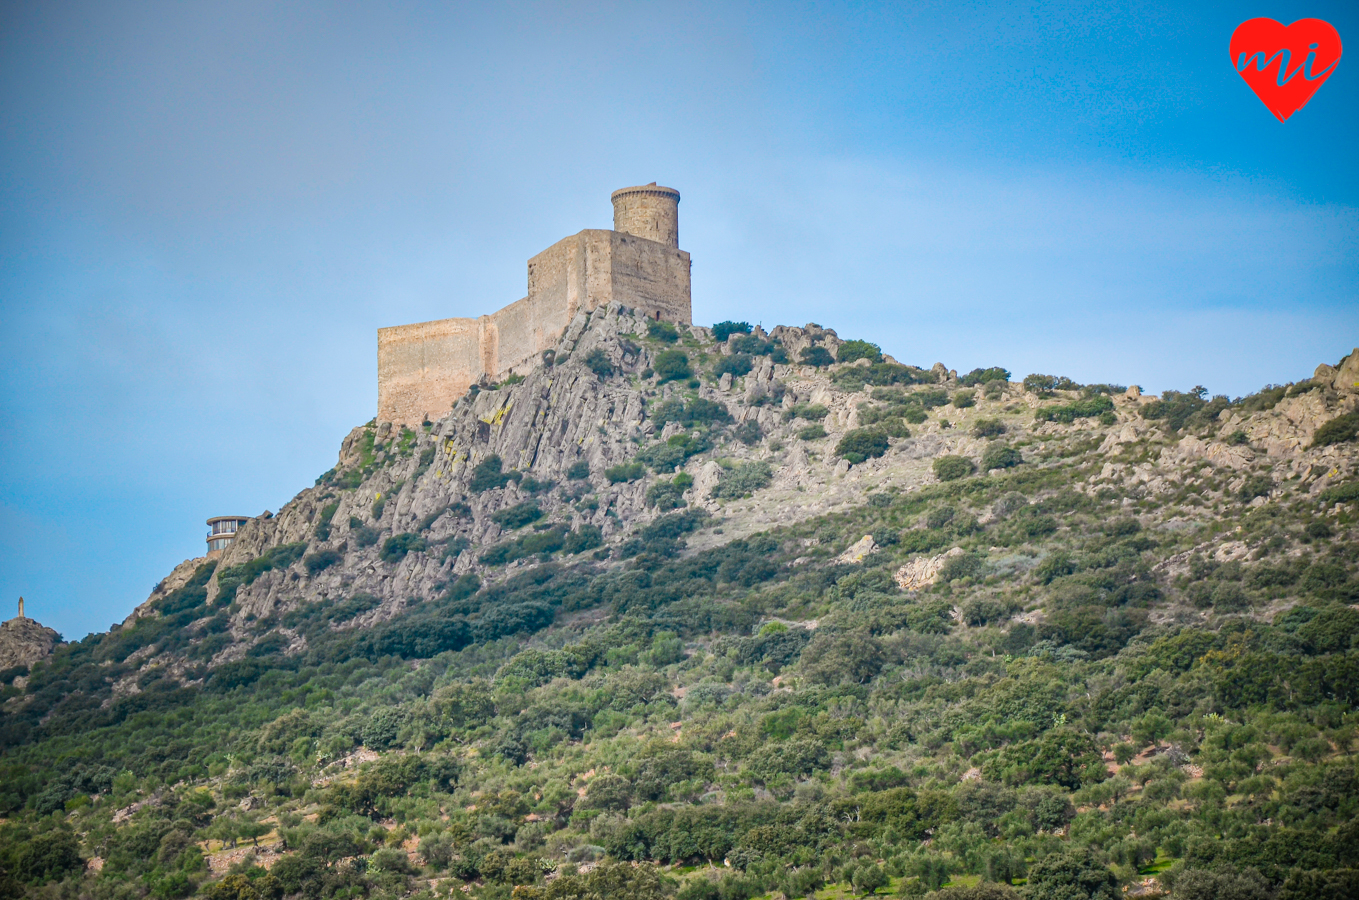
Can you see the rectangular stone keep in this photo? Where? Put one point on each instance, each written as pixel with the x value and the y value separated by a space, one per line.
pixel 651 277
pixel 423 369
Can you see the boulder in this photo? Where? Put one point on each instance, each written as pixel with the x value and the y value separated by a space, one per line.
pixel 1347 373
pixel 923 571
pixel 24 642
pixel 857 551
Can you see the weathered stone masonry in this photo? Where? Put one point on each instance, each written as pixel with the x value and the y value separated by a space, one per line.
pixel 424 368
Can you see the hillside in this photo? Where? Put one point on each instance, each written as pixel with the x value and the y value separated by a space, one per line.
pixel 721 614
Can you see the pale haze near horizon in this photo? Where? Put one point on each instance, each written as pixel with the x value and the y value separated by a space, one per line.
pixel 208 211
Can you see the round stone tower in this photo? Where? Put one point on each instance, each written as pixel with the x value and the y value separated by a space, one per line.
pixel 648 211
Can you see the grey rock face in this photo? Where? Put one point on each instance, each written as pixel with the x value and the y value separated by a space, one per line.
pixel 24 642
pixel 563 420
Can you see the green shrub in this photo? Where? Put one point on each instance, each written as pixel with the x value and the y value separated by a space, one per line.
pixel 988 428
pixel 670 455
pixel 47 857
pixel 1056 565
pixel 579 470
pixel 1319 531
pixel 672 365
pixel 598 362
pixel 487 475
pixel 929 398
pixel 323 520
pixel 1337 431
pixel 1084 408
pixel 815 356
pixel 862 444
pixel 363 535
pixel 744 478
pixel 662 331
pixel 736 365
pixel 1302 387
pixel 586 537
pixel 395 548
pixel 453 547
pixel 458 509
pixel 940 515
pixel 1178 409
pixel 465 586
pixel 1340 493
pixel 665 495
pixel 1236 438
pixel 350 479
pixel 812 412
pixel 851 350
pixel 984 376
pixel 915 415
pixel 853 378
pixel 531 485
pixel 998 456
pixel 1071 873
pixel 724 330
pixel 549 541
pixel 964 399
pixel 748 432
pixel 812 432
pixel 518 516
pixel 664 457
pixel 694 412
pixel 628 471
pixel 1266 398
pixel 321 560
pixel 1255 486
pixel 233 577
pixel 951 468
pixel 1044 385
pixel 753 346
pixel 960 566
pixel 868 877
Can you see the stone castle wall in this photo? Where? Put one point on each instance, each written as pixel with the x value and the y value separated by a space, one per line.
pixel 424 368
pixel 650 277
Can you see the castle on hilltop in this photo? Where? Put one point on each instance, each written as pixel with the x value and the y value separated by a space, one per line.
pixel 424 368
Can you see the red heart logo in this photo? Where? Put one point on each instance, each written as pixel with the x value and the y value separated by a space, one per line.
pixel 1285 65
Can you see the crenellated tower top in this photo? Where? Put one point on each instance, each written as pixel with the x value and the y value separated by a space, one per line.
pixel 648 211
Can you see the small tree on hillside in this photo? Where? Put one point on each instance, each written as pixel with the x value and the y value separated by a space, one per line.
pixel 724 330
pixel 852 350
pixel 862 444
pixel 951 468
pixel 816 356
pixel 672 365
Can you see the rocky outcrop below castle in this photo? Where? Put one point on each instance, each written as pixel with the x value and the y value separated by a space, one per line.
pixel 575 460
pixel 407 512
pixel 24 642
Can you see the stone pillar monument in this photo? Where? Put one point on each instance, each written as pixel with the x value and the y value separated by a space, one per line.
pixel 648 211
pixel 21 607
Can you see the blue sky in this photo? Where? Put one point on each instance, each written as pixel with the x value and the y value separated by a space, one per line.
pixel 206 210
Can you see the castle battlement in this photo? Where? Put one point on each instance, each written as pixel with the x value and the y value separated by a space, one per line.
pixel 424 368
